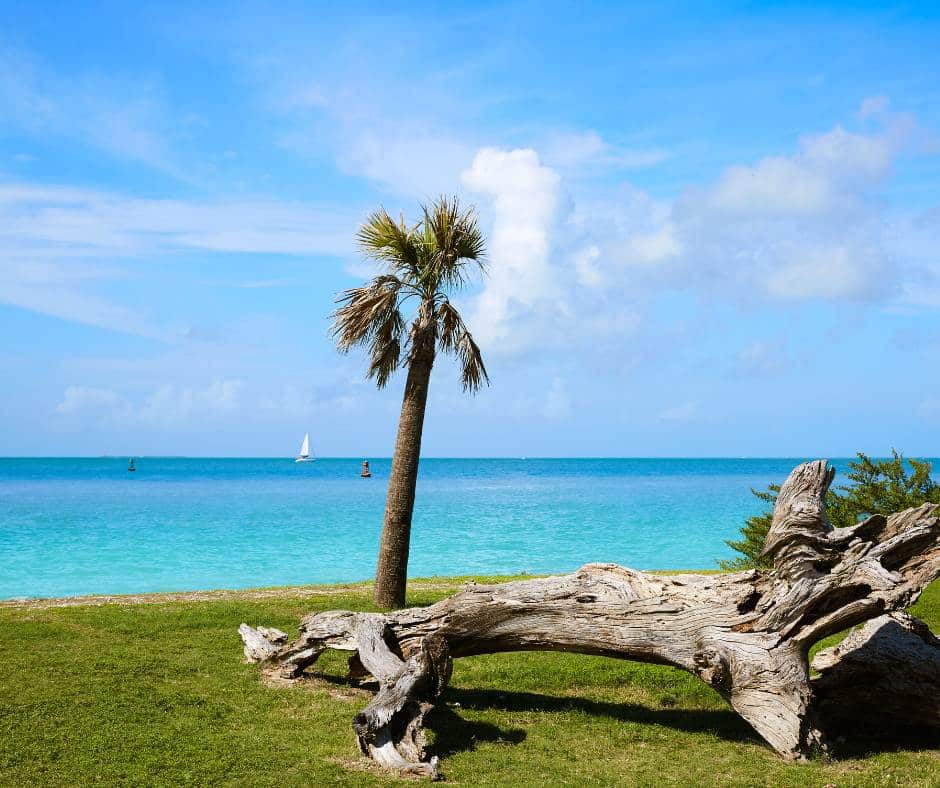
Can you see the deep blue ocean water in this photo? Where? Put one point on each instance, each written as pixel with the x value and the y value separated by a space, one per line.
pixel 87 526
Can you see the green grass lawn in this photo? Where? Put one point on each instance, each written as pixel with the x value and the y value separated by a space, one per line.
pixel 156 694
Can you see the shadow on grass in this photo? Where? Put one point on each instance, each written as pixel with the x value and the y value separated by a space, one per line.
pixel 452 733
pixel 720 722
pixel 866 744
pixel 723 723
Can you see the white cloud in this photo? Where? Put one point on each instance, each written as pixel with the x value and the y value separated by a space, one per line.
pixel 358 122
pixel 760 359
pixel 549 285
pixel 525 197
pixel 588 150
pixel 127 119
pixel 585 264
pixel 168 406
pixel 809 226
pixel 844 156
pixel 172 405
pixel 325 396
pixel 57 242
pixel 653 247
pixel 773 187
pixel 83 399
pixel 412 162
pixel 84 221
pixel 832 271
pixel 63 301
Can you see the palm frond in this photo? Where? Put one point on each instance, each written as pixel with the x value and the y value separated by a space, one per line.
pixel 394 243
pixel 453 337
pixel 452 238
pixel 363 310
pixel 424 261
pixel 385 348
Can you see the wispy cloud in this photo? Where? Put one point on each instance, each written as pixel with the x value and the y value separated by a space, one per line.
pixel 58 242
pixel 588 152
pixel 37 219
pixel 127 118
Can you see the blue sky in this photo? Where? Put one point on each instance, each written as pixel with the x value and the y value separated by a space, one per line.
pixel 712 232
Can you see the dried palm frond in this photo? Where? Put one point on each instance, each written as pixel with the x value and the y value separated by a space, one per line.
pixel 454 337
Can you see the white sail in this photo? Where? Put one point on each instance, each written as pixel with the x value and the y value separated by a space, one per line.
pixel 305 446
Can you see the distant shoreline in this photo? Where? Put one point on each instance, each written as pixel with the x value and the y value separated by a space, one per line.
pixel 278 592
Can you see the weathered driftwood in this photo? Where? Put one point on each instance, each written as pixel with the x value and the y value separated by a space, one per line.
pixel 746 634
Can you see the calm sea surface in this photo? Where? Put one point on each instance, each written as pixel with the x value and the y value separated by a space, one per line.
pixel 83 526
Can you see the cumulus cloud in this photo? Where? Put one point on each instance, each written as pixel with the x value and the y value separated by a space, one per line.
pixel 85 399
pixel 808 226
pixel 650 248
pixel 797 228
pixel 167 406
pixel 585 264
pixel 525 197
pixel 548 282
pixel 787 229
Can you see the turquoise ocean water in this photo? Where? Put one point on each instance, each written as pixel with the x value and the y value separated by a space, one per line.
pixel 87 526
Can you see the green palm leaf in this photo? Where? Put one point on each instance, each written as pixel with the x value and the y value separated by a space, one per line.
pixel 424 261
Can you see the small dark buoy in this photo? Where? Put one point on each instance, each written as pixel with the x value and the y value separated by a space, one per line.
pixel 366 473
pixel 130 465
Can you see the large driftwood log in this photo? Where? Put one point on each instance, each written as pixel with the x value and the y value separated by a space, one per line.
pixel 746 634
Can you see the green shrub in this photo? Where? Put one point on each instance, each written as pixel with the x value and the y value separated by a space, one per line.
pixel 878 487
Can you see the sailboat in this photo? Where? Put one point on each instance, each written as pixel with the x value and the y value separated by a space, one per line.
pixel 304 455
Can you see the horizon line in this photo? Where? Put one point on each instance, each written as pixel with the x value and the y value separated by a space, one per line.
pixel 371 458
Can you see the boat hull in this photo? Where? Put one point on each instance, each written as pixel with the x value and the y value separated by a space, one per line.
pixel 305 459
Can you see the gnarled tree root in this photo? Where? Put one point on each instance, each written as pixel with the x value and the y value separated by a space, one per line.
pixel 746 634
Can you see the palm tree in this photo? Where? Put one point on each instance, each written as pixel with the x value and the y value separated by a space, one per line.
pixel 422 262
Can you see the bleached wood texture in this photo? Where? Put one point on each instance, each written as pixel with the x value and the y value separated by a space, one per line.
pixel 746 634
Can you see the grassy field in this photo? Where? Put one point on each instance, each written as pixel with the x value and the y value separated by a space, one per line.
pixel 156 694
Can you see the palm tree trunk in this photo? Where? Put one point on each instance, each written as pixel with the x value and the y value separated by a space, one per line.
pixel 392 570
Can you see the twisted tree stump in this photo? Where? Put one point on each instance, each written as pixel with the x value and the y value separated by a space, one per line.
pixel 746 634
